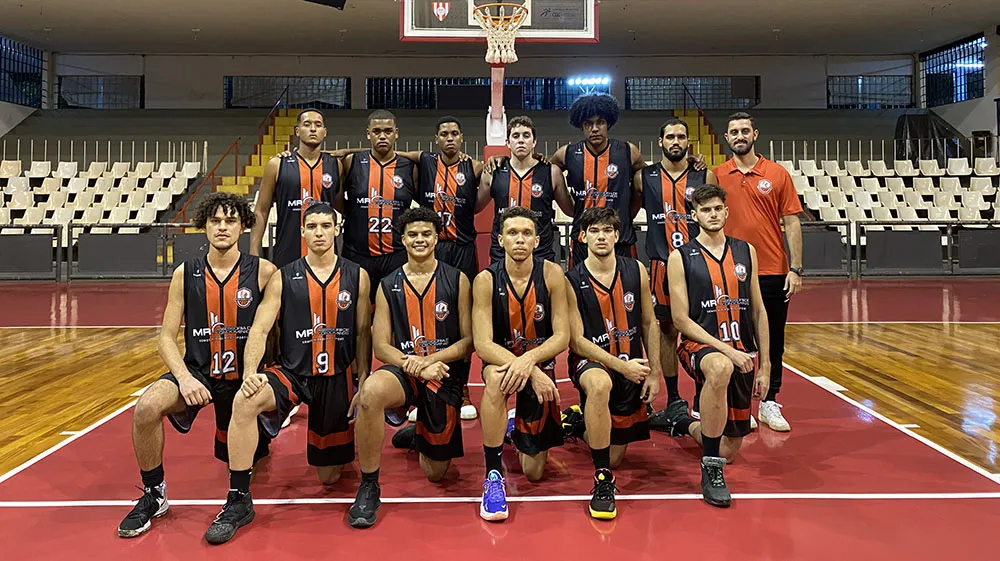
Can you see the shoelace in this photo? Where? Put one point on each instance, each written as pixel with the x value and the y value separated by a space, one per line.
pixel 147 501
pixel 715 477
pixel 368 491
pixel 228 515
pixel 605 490
pixel 494 491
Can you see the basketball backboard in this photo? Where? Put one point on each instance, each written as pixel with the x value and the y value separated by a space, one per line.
pixel 549 21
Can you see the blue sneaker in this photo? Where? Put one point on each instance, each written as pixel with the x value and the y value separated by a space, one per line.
pixel 494 506
pixel 508 435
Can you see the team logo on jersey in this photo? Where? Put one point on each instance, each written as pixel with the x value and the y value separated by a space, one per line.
pixel 629 301
pixel 441 310
pixel 688 192
pixel 536 190
pixel 612 171
pixel 460 178
pixel 244 297
pixel 441 9
pixel 764 186
pixel 327 180
pixel 741 271
pixel 397 182
pixel 344 300
pixel 539 312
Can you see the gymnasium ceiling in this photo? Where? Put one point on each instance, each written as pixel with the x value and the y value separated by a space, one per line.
pixel 371 27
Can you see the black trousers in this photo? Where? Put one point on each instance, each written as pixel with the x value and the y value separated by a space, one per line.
pixel 772 291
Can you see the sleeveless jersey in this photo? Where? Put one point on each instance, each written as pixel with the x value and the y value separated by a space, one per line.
pixel 450 191
pixel 218 315
pixel 521 323
pixel 424 322
pixel 376 195
pixel 603 179
pixel 299 186
pixel 719 292
pixel 318 320
pixel 612 315
pixel 533 191
pixel 669 221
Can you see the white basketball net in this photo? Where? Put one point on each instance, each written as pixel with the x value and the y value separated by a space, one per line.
pixel 501 30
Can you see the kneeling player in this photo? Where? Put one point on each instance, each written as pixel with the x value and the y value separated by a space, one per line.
pixel 514 302
pixel 216 295
pixel 611 315
pixel 717 307
pixel 323 305
pixel 423 334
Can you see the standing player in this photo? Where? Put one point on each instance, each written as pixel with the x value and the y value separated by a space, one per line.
pixel 522 180
pixel 666 188
pixel 515 301
pixel 321 303
pixel 423 335
pixel 611 320
pixel 762 199
pixel 717 306
pixel 216 295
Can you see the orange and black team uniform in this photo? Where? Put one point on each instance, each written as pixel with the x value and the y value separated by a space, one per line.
pixel 597 180
pixel 521 323
pixel 298 186
pixel 376 194
pixel 318 336
pixel 218 314
pixel 450 191
pixel 422 324
pixel 533 191
pixel 670 224
pixel 719 301
pixel 612 320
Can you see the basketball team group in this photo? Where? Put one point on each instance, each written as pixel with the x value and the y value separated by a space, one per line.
pixel 374 256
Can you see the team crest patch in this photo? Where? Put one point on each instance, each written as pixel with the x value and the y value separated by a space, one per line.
pixel 629 301
pixel 327 180
pixel 764 186
pixel 612 171
pixel 536 190
pixel 441 310
pixel 441 9
pixel 397 181
pixel 244 297
pixel 539 312
pixel 344 300
pixel 741 271
pixel 460 178
pixel 688 192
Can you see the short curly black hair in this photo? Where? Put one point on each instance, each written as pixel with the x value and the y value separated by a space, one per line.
pixel 594 105
pixel 230 203
pixel 418 214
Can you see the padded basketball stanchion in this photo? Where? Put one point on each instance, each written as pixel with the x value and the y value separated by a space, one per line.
pixel 496 116
pixel 501 32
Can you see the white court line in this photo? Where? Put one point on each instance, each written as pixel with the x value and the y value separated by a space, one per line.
pixel 900 322
pixel 68 433
pixel 910 426
pixel 41 456
pixel 482 385
pixel 992 477
pixel 538 499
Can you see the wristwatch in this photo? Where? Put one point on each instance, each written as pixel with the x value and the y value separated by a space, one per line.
pixel 796 270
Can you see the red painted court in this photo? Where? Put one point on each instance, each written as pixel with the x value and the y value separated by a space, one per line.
pixel 845 484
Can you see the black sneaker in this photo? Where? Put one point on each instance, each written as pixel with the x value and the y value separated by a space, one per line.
pixel 602 505
pixel 365 507
pixel 237 512
pixel 572 422
pixel 713 484
pixel 405 438
pixel 152 504
pixel 666 419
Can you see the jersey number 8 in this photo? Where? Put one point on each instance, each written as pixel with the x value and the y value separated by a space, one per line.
pixel 677 239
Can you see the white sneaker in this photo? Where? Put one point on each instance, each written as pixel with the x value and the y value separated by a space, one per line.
pixel 469 412
pixel 288 419
pixel 753 423
pixel 696 415
pixel 770 415
pixel 412 415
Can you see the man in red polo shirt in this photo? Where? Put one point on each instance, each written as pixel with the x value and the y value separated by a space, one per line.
pixel 761 200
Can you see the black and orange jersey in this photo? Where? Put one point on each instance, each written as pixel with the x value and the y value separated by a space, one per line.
pixel 218 315
pixel 376 194
pixel 533 191
pixel 667 202
pixel 603 179
pixel 424 322
pixel 521 323
pixel 450 191
pixel 719 292
pixel 298 186
pixel 612 315
pixel 318 320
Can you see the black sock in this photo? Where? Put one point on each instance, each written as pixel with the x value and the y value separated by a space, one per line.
pixel 710 445
pixel 672 393
pixel 153 477
pixel 493 458
pixel 239 480
pixel 602 457
pixel 373 476
pixel 772 395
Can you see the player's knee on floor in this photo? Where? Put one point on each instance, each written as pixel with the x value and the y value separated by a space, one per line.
pixel 156 402
pixel 717 369
pixel 328 475
pixel 533 467
pixel 433 469
pixel 617 454
pixel 597 384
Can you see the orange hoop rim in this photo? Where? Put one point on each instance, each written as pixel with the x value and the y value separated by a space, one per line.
pixel 518 12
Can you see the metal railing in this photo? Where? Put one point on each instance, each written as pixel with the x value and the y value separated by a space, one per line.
pixel 86 151
pixel 886 149
pixel 211 178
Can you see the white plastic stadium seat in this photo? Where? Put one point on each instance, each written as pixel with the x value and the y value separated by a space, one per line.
pixel 814 201
pixel 879 169
pixel 847 183
pixel 966 214
pixel 930 168
pixel 118 170
pixel 95 170
pixel 914 200
pixel 39 169
pixel 945 201
pixel 857 169
pixel 895 184
pixel 986 166
pixel 958 166
pixel 789 167
pixel 938 214
pixel 142 170
pixel 10 168
pixel 983 185
pixel 66 170
pixel 924 185
pixel 950 184
pixel 832 167
pixel 808 168
pixel 801 183
pixel 904 168
pixel 190 170
pixel 974 200
pixel 167 170
pixel 870 184
pixel 16 185
pixel 824 184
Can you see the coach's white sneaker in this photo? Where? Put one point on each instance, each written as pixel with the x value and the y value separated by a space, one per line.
pixel 469 412
pixel 288 419
pixel 770 415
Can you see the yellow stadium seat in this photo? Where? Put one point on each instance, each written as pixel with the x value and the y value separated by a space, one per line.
pixel 285 121
pixel 229 180
pixel 268 150
pixel 235 189
pixel 245 180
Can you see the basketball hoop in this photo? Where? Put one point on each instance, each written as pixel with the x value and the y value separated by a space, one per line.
pixel 501 29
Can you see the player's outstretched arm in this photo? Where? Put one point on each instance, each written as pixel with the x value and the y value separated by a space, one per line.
pixel 263 321
pixel 265 199
pixel 483 195
pixel 363 322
